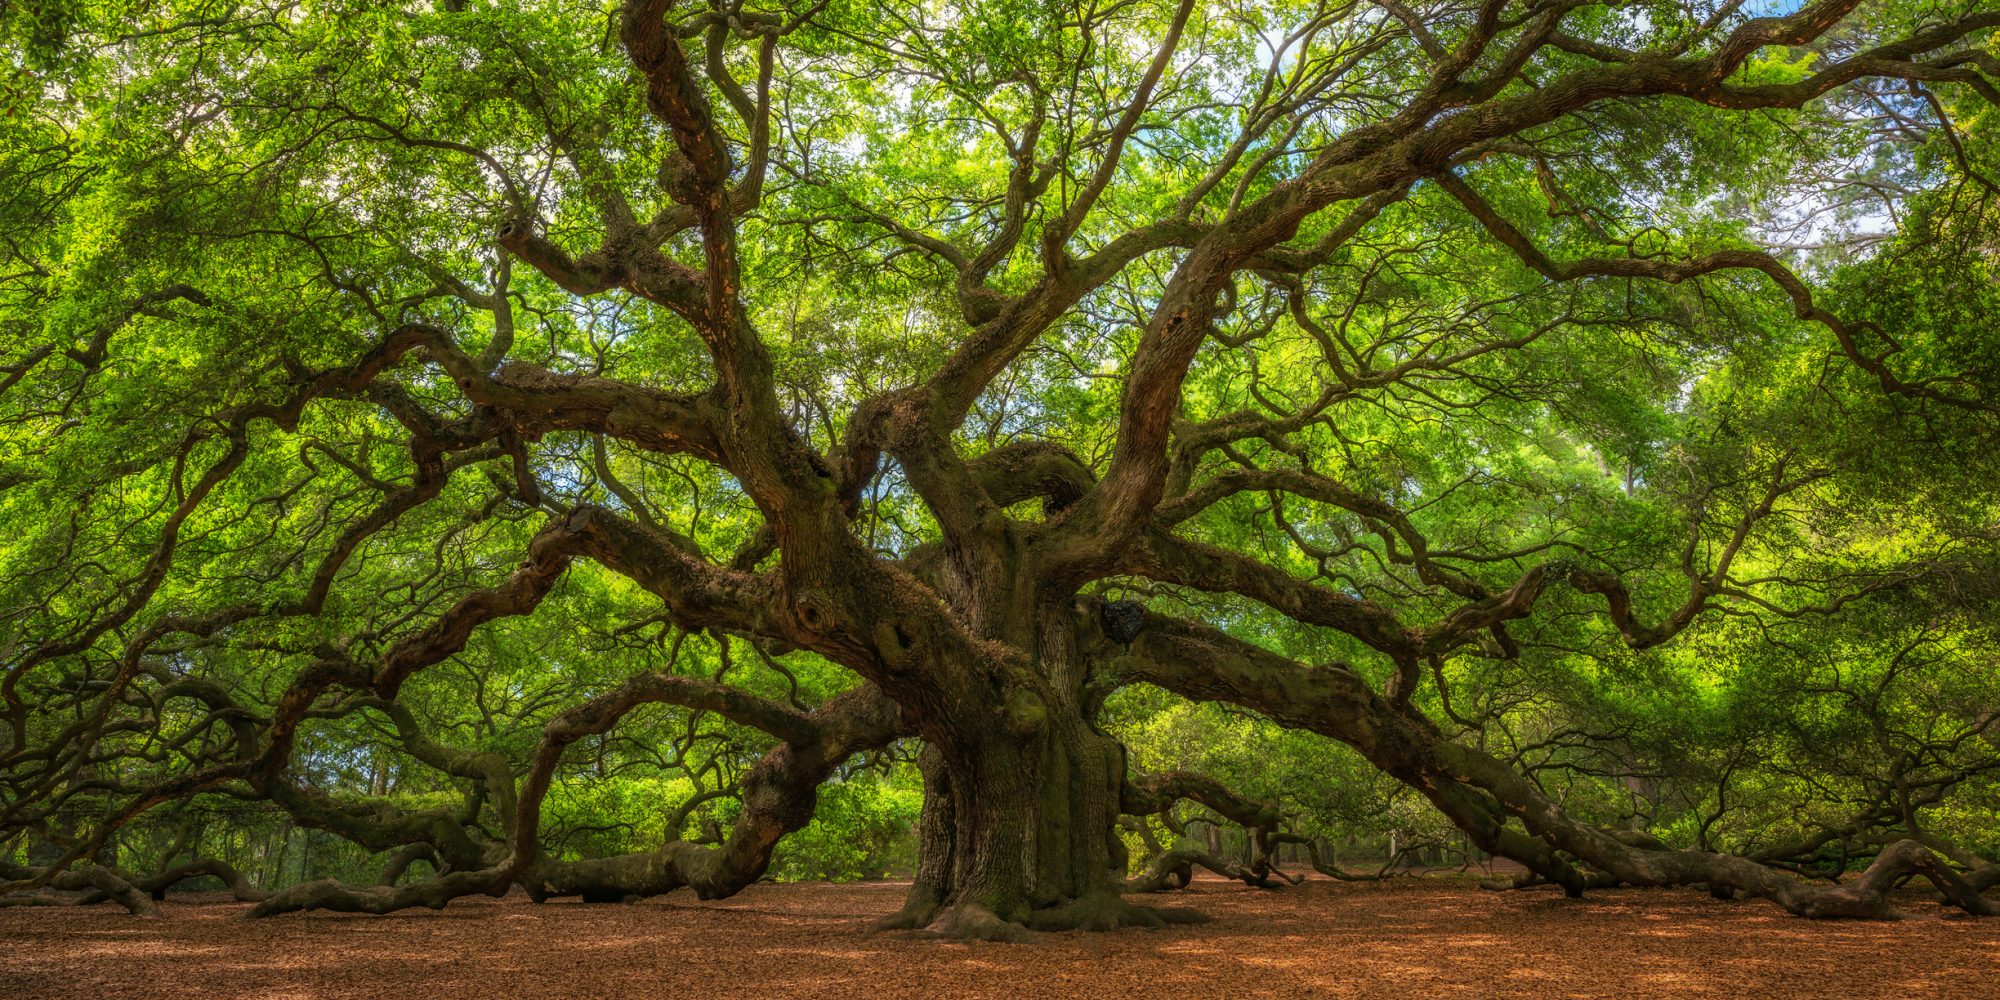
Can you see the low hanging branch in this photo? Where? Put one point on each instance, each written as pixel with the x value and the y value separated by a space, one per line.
pixel 749 369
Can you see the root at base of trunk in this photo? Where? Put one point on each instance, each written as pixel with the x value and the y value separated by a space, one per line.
pixel 1097 912
pixel 1105 911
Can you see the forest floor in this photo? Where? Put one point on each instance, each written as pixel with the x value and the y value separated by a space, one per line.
pixel 1411 937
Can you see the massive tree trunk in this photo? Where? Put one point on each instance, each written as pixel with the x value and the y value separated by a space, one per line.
pixel 1019 828
pixel 1022 798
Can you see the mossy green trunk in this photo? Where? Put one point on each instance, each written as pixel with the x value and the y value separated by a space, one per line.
pixel 1021 805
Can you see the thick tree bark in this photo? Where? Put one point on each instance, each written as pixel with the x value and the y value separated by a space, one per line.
pixel 1022 797
pixel 1019 829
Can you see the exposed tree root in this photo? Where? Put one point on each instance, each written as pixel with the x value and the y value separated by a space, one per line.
pixel 1393 868
pixel 1102 911
pixel 1174 869
pixel 1528 879
pixel 1105 911
pixel 916 914
pixel 34 899
pixel 1099 911
pixel 401 860
pixel 97 883
pixel 1167 871
pixel 971 921
pixel 433 893
pixel 215 868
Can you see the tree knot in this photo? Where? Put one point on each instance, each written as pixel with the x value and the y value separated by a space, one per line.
pixel 1122 620
pixel 814 611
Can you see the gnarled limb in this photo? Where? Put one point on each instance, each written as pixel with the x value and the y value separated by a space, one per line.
pixel 1173 867
pixel 1476 791
pixel 778 797
pixel 1673 272
pixel 95 882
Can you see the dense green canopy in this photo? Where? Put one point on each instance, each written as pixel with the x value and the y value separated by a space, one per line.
pixel 519 436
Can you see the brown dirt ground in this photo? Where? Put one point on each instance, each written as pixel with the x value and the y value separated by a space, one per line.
pixel 1433 937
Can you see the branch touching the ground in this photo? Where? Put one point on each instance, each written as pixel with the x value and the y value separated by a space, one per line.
pixel 1483 794
pixel 778 797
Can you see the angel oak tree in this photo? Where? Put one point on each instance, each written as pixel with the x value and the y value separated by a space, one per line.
pixel 907 337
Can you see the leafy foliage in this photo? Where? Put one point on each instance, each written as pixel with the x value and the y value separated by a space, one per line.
pixel 1471 377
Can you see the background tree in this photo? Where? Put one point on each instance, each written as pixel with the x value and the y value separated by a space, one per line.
pixel 704 403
